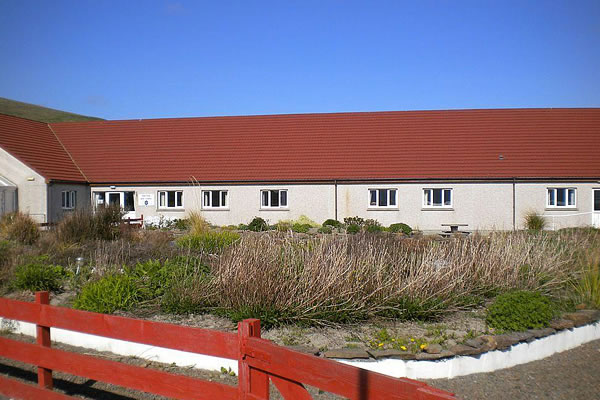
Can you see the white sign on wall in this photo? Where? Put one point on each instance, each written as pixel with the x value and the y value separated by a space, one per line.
pixel 146 199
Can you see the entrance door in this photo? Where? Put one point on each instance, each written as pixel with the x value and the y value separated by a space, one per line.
pixel 596 212
pixel 123 200
pixel 114 199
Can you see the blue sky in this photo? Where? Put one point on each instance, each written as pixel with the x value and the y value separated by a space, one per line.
pixel 146 59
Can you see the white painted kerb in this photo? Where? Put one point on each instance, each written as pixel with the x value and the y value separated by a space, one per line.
pixel 486 362
pixel 446 368
pixel 125 348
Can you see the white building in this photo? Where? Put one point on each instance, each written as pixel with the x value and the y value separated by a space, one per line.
pixel 482 168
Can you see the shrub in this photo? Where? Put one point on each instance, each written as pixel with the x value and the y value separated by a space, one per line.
pixel 20 228
pixel 301 228
pixel 258 225
pixel 372 226
pixel 197 223
pixel 332 222
pixel 325 229
pixel 353 229
pixel 400 227
pixel 587 288
pixel 354 221
pixel 5 253
pixel 520 310
pixel 181 224
pixel 188 287
pixel 111 293
pixel 212 242
pixel 283 226
pixel 107 221
pixel 534 221
pixel 84 225
pixel 39 276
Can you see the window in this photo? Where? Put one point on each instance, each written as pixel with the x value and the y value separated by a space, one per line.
pixel 561 197
pixel 383 198
pixel 69 199
pixel 273 198
pixel 214 199
pixel 128 202
pixel 434 198
pixel 170 199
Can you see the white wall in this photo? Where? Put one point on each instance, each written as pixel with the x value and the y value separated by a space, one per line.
pixel 483 206
pixel 532 197
pixel 31 186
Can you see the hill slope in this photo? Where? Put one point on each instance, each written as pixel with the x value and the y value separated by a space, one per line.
pixel 39 113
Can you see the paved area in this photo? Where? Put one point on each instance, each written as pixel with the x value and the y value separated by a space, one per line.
pixel 573 374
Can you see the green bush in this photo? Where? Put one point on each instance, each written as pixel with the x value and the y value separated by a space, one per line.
pixel 534 221
pixel 373 226
pixel 301 228
pixel 20 228
pixel 332 222
pixel 39 276
pixel 212 242
pixel 326 229
pixel 400 228
pixel 353 229
pixel 520 310
pixel 109 294
pixel 258 225
pixel 187 286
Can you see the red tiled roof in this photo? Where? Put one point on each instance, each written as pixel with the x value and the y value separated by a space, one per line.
pixel 463 144
pixel 34 144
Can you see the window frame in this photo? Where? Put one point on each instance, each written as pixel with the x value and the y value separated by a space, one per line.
pixel 555 190
pixel 442 206
pixel 68 199
pixel 224 200
pixel 377 191
pixel 166 203
pixel 269 206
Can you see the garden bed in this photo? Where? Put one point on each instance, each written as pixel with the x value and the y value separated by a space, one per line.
pixel 323 290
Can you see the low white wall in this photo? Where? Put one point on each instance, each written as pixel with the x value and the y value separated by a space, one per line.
pixel 486 362
pixel 446 368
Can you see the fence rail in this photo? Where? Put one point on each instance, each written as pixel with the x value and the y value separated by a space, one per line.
pixel 259 361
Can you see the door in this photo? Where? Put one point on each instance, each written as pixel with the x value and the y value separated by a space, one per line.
pixel 125 200
pixel 596 212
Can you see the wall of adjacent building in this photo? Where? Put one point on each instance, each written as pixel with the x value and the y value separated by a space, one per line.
pixel 482 206
pixel 31 186
pixel 55 210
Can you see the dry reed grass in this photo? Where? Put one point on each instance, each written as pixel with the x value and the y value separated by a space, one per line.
pixel 323 279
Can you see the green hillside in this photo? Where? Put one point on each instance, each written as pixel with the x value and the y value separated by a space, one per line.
pixel 39 113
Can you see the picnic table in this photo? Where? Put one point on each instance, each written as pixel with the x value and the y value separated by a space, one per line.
pixel 454 228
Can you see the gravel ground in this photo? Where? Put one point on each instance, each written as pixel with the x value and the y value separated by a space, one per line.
pixel 573 374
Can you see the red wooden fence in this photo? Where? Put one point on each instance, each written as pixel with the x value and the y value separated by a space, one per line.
pixel 259 360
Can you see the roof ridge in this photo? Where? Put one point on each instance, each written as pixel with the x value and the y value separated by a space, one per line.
pixel 68 153
pixel 332 113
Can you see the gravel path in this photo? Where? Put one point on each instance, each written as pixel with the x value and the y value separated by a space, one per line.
pixel 573 374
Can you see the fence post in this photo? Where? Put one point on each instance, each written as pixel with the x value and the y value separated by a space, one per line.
pixel 252 383
pixel 43 339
